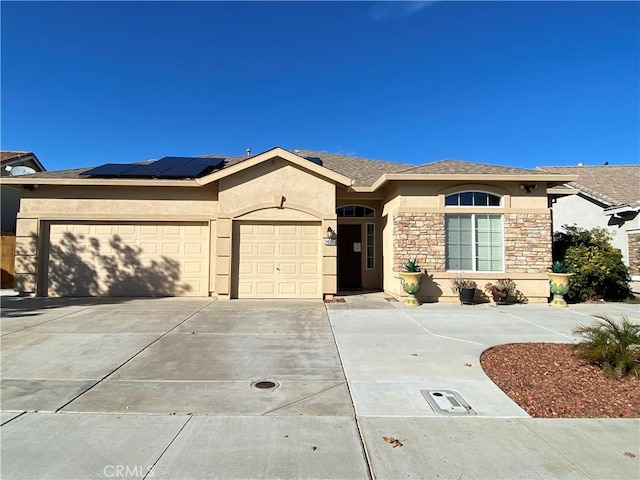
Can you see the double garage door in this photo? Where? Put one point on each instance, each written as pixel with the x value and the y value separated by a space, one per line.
pixel 127 259
pixel 271 260
pixel 278 260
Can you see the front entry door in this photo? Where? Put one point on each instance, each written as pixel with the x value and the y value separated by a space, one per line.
pixel 349 257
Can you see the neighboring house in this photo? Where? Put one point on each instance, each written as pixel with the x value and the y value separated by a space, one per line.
pixel 608 197
pixel 13 164
pixel 281 224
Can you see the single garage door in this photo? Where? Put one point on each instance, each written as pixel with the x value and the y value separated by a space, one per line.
pixel 127 259
pixel 279 260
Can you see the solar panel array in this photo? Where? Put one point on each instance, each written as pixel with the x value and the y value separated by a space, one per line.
pixel 166 167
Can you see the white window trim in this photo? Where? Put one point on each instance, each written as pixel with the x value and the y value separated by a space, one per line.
pixel 474 245
pixel 457 192
pixel 366 257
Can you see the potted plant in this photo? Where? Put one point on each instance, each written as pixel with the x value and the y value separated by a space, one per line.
pixel 504 291
pixel 465 288
pixel 411 280
pixel 559 283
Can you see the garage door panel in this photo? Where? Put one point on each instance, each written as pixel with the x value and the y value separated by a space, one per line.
pixel 265 289
pixel 265 249
pixel 309 269
pixel 264 230
pixel 128 259
pixel 309 230
pixel 276 259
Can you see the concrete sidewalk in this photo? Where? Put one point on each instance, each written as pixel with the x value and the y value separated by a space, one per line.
pixel 391 354
pixel 160 388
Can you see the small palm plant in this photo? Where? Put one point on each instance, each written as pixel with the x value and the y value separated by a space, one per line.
pixel 412 266
pixel 559 267
pixel 614 347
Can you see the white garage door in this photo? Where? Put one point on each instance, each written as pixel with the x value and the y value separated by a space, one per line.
pixel 279 260
pixel 128 259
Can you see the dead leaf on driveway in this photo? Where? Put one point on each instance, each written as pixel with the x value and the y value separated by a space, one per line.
pixel 393 441
pixel 629 454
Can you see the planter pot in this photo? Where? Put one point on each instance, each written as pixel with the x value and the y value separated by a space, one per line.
pixel 466 296
pixel 411 284
pixel 559 286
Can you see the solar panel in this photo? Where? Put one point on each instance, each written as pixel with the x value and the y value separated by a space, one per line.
pixel 194 168
pixel 166 167
pixel 108 170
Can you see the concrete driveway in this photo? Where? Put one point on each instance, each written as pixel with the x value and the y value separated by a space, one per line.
pixel 162 388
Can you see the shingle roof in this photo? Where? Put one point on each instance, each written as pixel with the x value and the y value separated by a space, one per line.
pixel 364 171
pixel 458 166
pixel 8 156
pixel 613 185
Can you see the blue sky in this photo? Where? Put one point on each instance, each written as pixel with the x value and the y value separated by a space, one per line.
pixel 511 83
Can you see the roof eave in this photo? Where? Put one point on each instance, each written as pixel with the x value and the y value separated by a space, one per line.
pixel 25 180
pixel 559 191
pixel 551 179
pixel 622 209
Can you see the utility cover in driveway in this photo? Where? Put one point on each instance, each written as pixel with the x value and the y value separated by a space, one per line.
pixel 447 402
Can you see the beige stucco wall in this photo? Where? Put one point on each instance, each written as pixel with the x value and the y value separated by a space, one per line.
pixel 79 203
pixel 122 203
pixel 274 190
pixel 418 204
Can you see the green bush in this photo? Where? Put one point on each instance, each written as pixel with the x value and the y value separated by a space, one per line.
pixel 599 272
pixel 612 346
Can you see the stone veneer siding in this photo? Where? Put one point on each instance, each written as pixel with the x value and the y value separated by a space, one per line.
pixel 634 253
pixel 527 238
pixel 421 236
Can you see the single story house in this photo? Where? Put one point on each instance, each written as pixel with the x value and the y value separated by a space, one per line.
pixel 281 224
pixel 608 197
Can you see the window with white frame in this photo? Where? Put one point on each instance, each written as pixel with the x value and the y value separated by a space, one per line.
pixel 474 241
pixel 371 234
pixel 473 199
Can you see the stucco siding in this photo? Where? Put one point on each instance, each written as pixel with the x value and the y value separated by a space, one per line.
pixel 129 202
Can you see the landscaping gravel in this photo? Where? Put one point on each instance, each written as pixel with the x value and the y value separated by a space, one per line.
pixel 548 382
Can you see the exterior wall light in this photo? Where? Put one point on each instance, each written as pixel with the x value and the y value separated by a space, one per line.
pixel 528 188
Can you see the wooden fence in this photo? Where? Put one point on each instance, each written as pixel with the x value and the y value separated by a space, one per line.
pixel 7 258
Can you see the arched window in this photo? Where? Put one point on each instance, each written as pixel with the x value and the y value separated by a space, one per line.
pixel 355 211
pixel 473 199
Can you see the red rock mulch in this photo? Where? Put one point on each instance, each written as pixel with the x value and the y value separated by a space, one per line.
pixel 547 382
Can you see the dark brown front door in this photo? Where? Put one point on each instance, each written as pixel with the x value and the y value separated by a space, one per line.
pixel 349 257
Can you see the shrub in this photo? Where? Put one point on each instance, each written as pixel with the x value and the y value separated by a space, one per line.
pixel 614 347
pixel 599 272
pixel 458 284
pixel 506 291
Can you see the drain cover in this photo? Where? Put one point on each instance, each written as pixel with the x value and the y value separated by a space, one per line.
pixel 265 385
pixel 447 402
